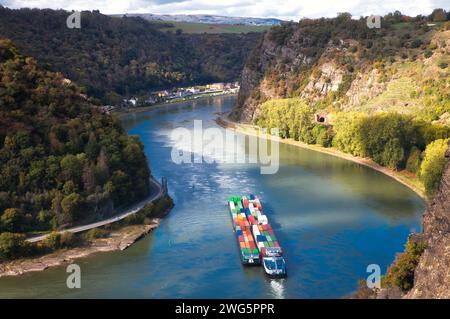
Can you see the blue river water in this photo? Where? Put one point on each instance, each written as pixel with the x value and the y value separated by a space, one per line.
pixel 332 217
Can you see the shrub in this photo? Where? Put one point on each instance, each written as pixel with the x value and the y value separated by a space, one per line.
pixel 428 53
pixel 433 165
pixel 11 245
pixel 68 240
pixel 134 219
pixel 413 162
pixel 443 64
pixel 401 273
pixel 95 233
pixel 52 241
pixel 161 206
pixel 416 43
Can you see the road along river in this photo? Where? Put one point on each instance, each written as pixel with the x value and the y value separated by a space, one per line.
pixel 332 217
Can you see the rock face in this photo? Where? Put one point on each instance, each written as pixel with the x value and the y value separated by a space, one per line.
pixel 432 275
pixel 342 66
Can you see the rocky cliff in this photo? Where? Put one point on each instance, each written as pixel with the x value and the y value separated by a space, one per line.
pixel 432 275
pixel 339 64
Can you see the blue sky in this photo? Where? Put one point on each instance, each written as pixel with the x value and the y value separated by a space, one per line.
pixel 284 9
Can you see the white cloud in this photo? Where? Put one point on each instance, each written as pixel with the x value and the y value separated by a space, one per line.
pixel 284 9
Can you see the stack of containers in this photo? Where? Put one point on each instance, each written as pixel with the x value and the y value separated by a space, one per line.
pixel 233 213
pixel 266 239
pixel 246 242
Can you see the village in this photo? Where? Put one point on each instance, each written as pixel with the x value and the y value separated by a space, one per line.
pixel 176 95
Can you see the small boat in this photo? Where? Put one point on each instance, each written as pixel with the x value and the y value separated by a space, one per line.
pixel 274 266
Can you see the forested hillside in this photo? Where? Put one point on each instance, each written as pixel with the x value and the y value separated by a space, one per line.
pixel 342 65
pixel 381 93
pixel 62 159
pixel 112 57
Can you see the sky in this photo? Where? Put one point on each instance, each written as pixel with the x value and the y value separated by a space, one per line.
pixel 282 9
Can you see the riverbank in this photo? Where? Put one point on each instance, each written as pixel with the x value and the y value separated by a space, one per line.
pixel 117 240
pixel 402 177
pixel 133 110
pixel 132 227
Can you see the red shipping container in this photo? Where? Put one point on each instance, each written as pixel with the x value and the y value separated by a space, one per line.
pixel 275 244
pixel 263 251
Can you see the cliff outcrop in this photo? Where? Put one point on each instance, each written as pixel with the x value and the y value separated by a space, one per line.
pixel 432 275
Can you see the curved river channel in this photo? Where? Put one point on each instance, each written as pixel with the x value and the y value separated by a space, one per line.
pixel 332 217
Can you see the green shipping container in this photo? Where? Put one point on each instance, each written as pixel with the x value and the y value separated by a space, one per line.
pixel 255 251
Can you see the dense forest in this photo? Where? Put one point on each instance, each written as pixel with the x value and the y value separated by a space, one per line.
pixel 62 159
pixel 394 140
pixel 111 57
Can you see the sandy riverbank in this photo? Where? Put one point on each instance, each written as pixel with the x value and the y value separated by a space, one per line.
pixel 403 177
pixel 119 239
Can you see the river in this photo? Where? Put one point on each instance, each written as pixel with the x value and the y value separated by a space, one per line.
pixel 332 217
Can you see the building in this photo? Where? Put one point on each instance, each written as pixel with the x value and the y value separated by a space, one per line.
pixel 216 86
pixel 193 90
pixel 163 93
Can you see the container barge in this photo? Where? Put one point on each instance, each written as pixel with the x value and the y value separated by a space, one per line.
pixel 247 245
pixel 255 235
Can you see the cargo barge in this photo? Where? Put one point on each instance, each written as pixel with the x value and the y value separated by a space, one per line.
pixel 247 246
pixel 256 238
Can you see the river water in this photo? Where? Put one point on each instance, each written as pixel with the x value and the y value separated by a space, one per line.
pixel 332 217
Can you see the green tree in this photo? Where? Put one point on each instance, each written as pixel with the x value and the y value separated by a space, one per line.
pixel 72 167
pixel 70 205
pixel 11 220
pixel 347 128
pixel 439 15
pixel 11 245
pixel 393 154
pixel 413 162
pixel 433 165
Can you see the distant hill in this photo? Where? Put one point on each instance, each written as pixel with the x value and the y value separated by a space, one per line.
pixel 111 58
pixel 207 19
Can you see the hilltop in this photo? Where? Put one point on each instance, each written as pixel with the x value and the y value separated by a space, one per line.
pixel 112 58
pixel 341 65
